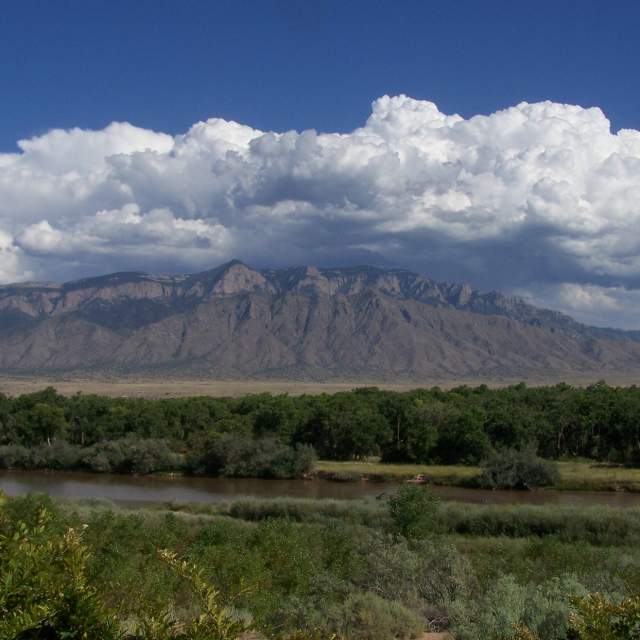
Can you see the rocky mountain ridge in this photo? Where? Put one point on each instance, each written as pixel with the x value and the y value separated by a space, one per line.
pixel 235 321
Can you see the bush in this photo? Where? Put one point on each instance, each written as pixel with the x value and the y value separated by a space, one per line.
pixel 215 621
pixel 512 611
pixel 15 457
pixel 240 456
pixel 366 616
pixel 597 618
pixel 44 592
pixel 523 470
pixel 130 455
pixel 59 456
pixel 413 511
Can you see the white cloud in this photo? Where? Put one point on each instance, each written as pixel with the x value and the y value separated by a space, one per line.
pixel 537 197
pixel 11 266
pixel 603 306
pixel 128 233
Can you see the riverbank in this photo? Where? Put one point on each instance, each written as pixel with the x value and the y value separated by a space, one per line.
pixel 574 475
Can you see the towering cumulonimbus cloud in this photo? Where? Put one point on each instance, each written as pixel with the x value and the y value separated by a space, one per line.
pixel 540 199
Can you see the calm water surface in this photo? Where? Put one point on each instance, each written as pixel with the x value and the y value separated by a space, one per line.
pixel 178 489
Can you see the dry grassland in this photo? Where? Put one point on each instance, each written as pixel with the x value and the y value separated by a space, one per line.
pixel 159 388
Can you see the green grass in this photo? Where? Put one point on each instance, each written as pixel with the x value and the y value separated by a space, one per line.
pixel 575 476
pixel 596 525
pixel 439 474
pixel 598 477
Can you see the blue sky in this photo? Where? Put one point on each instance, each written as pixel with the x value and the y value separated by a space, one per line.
pixel 173 136
pixel 296 64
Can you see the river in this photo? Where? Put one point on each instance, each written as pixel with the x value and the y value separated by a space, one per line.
pixel 149 489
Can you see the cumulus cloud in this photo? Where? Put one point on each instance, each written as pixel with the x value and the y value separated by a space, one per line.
pixel 593 304
pixel 540 198
pixel 12 266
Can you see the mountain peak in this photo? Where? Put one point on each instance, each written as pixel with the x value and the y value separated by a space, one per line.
pixel 237 277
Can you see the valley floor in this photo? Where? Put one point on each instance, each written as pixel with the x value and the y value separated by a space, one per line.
pixel 139 387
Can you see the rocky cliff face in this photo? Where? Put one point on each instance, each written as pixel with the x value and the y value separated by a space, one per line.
pixel 232 321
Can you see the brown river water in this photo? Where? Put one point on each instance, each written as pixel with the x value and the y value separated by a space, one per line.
pixel 151 489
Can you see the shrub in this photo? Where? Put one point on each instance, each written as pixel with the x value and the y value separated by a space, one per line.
pixel 513 611
pixel 594 617
pixel 215 621
pixel 129 455
pixel 146 456
pixel 240 456
pixel 413 511
pixel 105 457
pixel 597 618
pixel 60 456
pixel 366 616
pixel 15 457
pixel 511 469
pixel 44 592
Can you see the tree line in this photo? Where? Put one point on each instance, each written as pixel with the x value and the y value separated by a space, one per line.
pixel 464 425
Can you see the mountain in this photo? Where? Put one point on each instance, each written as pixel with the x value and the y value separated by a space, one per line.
pixel 300 322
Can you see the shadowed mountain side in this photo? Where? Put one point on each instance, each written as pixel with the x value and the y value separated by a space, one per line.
pixel 300 322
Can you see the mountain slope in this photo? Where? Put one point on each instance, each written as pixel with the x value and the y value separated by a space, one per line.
pixel 232 321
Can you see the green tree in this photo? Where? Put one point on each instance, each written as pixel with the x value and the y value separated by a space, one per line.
pixel 43 423
pixel 462 437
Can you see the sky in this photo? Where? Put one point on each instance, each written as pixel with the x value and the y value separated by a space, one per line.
pixel 489 142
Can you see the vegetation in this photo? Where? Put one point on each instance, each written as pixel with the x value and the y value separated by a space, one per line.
pixel 305 569
pixel 512 469
pixel 276 436
pixel 412 511
pixel 228 454
pixel 372 569
pixel 576 475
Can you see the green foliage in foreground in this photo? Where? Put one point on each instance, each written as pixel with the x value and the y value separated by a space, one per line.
pixel 305 569
pixel 215 621
pixel 595 617
pixel 45 593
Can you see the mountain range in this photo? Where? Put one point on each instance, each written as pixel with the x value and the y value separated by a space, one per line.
pixel 299 323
